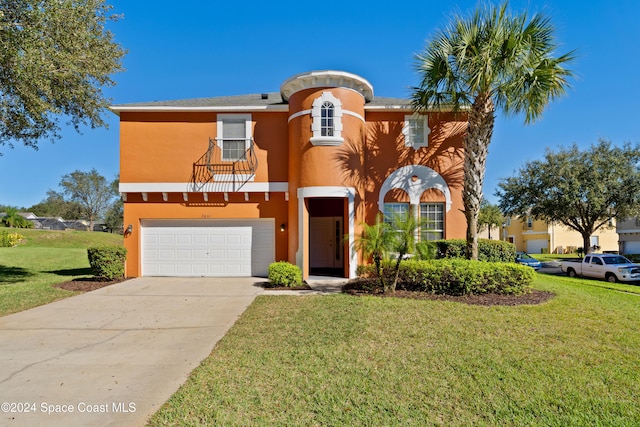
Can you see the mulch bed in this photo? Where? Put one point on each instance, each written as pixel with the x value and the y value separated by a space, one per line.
pixel 364 287
pixel 531 298
pixel 270 287
pixel 87 284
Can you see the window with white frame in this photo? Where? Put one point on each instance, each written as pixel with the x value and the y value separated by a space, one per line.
pixel 416 130
pixel 431 221
pixel 431 218
pixel 326 120
pixel 395 213
pixel 234 135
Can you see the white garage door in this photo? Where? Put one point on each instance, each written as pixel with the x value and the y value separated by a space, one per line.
pixel 207 248
pixel 631 248
pixel 535 246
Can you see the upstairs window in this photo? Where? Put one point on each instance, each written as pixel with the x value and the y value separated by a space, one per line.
pixel 326 124
pixel 234 136
pixel 326 119
pixel 416 131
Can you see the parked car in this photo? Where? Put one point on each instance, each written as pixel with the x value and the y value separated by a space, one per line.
pixel 526 259
pixel 610 267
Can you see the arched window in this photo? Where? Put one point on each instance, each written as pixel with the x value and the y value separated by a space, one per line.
pixel 326 119
pixel 326 125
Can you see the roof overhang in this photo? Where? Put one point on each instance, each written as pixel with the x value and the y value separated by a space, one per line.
pixel 117 109
pixel 326 78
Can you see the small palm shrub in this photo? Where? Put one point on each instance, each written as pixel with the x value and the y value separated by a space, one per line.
pixel 285 274
pixel 426 250
pixel 107 262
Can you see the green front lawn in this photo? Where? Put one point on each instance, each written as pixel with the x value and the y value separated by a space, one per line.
pixel 343 360
pixel 45 258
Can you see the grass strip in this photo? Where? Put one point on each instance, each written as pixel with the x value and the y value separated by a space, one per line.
pixel 342 360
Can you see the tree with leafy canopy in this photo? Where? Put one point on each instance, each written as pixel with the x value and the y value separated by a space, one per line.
pixel 489 61
pixel 490 216
pixel 114 217
pixel 91 191
pixel 583 190
pixel 56 206
pixel 55 59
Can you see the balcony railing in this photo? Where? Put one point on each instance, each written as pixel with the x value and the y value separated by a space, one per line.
pixel 226 160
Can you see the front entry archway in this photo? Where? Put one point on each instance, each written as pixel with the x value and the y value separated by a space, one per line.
pixel 326 242
pixel 313 200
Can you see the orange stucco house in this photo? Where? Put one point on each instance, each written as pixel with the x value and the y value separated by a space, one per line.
pixel 225 186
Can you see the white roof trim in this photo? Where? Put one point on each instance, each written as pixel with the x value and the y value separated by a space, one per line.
pixel 442 109
pixel 629 231
pixel 326 78
pixel 175 109
pixel 208 187
pixel 388 107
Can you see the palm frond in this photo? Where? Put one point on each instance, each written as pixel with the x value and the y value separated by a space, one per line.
pixel 510 58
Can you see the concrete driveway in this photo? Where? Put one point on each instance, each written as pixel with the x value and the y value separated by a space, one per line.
pixel 113 356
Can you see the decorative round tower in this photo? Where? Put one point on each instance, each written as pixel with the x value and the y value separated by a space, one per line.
pixel 326 138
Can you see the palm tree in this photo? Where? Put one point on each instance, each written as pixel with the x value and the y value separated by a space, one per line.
pixel 381 239
pixel 404 242
pixel 13 219
pixel 492 60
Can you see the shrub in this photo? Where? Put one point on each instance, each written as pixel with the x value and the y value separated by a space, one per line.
pixel 283 273
pixel 107 262
pixel 488 250
pixel 426 250
pixel 633 257
pixel 9 240
pixel 460 277
pixel 452 248
pixel 496 251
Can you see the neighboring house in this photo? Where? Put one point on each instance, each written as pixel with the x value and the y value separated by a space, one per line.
pixel 495 233
pixel 100 226
pixel 51 223
pixel 225 186
pixel 536 236
pixel 629 235
pixel 78 224
pixel 28 215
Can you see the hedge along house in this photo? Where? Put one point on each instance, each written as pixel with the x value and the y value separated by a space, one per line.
pixel 225 186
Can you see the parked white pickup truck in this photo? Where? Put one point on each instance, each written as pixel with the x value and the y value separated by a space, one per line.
pixel 610 267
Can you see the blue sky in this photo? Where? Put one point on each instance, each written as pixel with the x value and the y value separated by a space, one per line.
pixel 179 50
